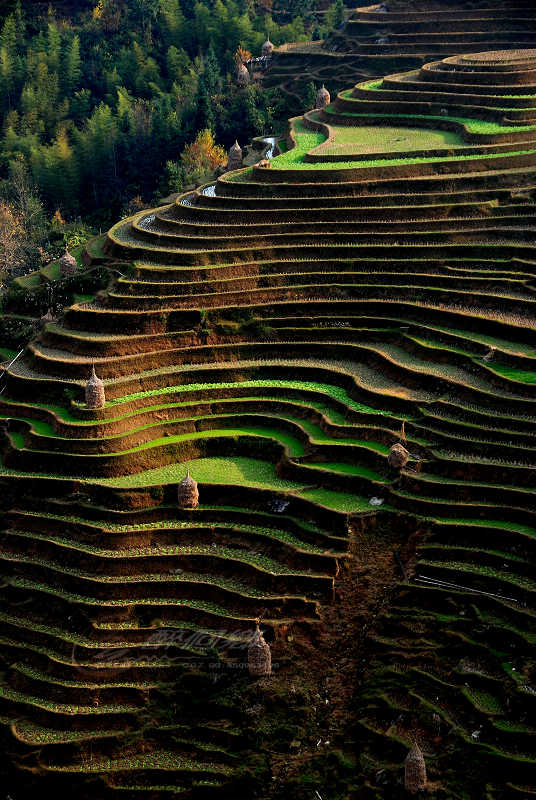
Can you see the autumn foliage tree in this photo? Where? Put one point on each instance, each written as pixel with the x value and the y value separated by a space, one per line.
pixel 242 55
pixel 201 157
pixel 11 242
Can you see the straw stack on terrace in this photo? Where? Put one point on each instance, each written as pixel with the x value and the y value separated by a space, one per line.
pixel 95 394
pixel 259 655
pixel 188 493
pixel 323 98
pixel 234 159
pixel 415 771
pixel 267 48
pixel 398 456
pixel 68 265
pixel 242 76
pixel 48 317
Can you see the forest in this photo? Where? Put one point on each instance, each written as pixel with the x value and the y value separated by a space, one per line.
pixel 102 102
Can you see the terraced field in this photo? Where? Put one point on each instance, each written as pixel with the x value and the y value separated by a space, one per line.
pixel 401 35
pixel 276 335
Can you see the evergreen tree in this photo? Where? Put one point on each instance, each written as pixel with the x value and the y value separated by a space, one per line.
pixel 173 28
pixel 203 25
pixel 72 71
pixel 178 64
pixel 53 48
pixel 309 98
pixel 335 14
pixel 8 36
pixel 96 151
pixel 211 73
pixel 80 105
pixel 204 117
pixel 6 79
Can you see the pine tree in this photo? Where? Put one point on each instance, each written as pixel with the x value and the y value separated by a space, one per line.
pixel 173 28
pixel 8 35
pixel 178 64
pixel 72 67
pixel 80 105
pixel 20 24
pixel 204 117
pixel 203 25
pixel 96 154
pixel 53 47
pixel 211 73
pixel 67 196
pixel 6 78
pixel 310 95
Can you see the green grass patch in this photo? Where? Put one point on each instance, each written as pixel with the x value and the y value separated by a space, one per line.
pixel 176 526
pixel 17 439
pixel 483 701
pixel 521 375
pixel 30 281
pixel 294 159
pixel 347 469
pixel 387 138
pixel 236 471
pixel 334 392
pixel 472 124
pixel 340 501
pixel 305 140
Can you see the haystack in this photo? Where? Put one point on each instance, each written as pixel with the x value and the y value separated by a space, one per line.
pixel 68 265
pixel 323 98
pixel 234 158
pixel 95 395
pixel 259 655
pixel 242 75
pixel 415 770
pixel 187 492
pixel 398 456
pixel 267 48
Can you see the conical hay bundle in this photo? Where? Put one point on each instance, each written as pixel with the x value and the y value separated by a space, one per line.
pixel 415 770
pixel 259 655
pixel 187 492
pixel 95 394
pixel 68 265
pixel 323 98
pixel 267 48
pixel 234 158
pixel 398 456
pixel 242 75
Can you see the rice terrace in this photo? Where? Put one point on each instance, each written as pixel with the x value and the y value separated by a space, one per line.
pixel 268 481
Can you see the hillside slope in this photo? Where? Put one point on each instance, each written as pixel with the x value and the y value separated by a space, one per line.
pixel 278 333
